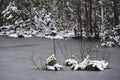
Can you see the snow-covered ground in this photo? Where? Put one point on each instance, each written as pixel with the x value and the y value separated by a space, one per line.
pixel 35 33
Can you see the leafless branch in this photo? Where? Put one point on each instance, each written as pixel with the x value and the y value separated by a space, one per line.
pixel 66 50
pixel 33 61
pixel 61 50
pixel 54 47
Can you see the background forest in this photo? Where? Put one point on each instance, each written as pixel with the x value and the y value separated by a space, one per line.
pixel 98 19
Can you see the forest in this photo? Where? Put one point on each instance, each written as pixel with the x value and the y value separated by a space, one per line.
pixel 98 19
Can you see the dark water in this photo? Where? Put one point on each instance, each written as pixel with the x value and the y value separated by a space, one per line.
pixel 15 62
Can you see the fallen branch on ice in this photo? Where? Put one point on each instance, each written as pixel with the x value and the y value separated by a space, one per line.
pixel 91 65
pixel 51 64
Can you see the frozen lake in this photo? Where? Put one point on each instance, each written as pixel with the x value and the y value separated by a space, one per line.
pixel 16 65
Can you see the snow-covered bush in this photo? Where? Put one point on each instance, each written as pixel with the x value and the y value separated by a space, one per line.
pixel 51 64
pixel 10 11
pixel 91 65
pixel 112 38
pixel 16 19
pixel 38 19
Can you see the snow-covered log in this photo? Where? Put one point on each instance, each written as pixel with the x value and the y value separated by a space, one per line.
pixel 51 64
pixel 88 64
pixel 70 62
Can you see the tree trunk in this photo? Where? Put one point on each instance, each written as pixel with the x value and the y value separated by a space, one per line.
pixel 102 16
pixel 79 16
pixel 86 18
pixel 116 12
pixel 90 6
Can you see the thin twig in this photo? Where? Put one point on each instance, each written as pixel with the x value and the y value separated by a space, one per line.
pixel 41 63
pixel 66 50
pixel 54 47
pixel 33 61
pixel 61 51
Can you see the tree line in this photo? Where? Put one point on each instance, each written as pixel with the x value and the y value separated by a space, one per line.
pixel 90 16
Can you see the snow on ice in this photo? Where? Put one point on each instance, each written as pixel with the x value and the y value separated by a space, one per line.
pixel 88 64
pixel 51 64
pixel 70 62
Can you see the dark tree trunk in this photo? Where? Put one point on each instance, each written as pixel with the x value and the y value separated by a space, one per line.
pixel 79 16
pixel 116 12
pixel 86 18
pixel 90 5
